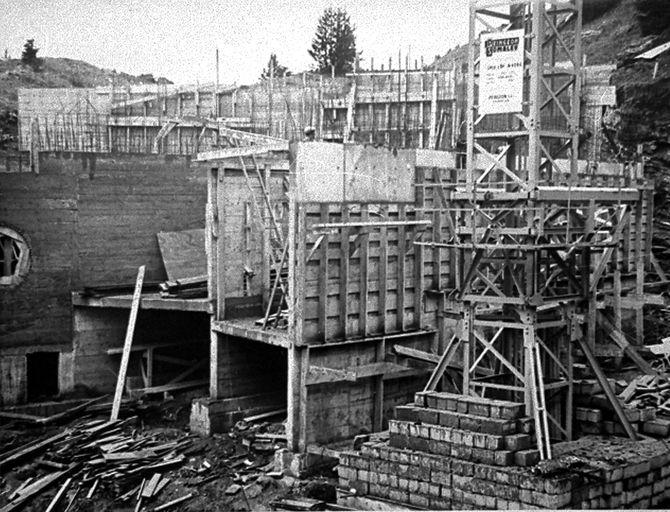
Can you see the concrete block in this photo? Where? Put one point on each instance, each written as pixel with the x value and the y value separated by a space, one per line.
pixel 503 457
pixel 376 490
pixel 398 495
pixel 441 477
pixel 418 444
pixel 439 503
pixel 502 504
pixel 431 401
pixel 399 440
pixel 393 480
pixel 517 442
pixel 405 413
pixel 595 491
pixel 483 456
pixel 461 452
pixel 403 457
pixel 360 462
pixel 384 479
pixel 558 485
pixel 479 440
pixel 462 406
pixel 423 431
pixel 479 408
pixel 524 425
pixel 428 416
pixel 482 502
pixel 461 482
pixel 647 414
pixel 419 500
pixel 448 419
pixel 657 427
pixel 526 457
pixel 468 438
pixel 471 423
pixel 463 468
pixel 494 442
pixel 360 487
pixel 451 403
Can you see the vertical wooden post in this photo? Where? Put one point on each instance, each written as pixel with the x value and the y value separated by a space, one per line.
pixel 323 280
pixel 400 320
pixel 211 246
pixel 639 272
pixel 418 254
pixel 378 406
pixel 127 345
pixel 383 269
pixel 364 277
pixel 266 251
pixel 344 274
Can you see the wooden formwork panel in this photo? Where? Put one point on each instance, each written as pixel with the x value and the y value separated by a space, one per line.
pixel 243 234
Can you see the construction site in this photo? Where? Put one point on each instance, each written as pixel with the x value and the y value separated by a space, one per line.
pixel 411 287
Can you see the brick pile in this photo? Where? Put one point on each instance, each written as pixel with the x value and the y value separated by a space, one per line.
pixel 451 452
pixel 595 415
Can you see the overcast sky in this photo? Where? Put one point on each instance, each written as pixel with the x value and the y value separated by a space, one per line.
pixel 178 39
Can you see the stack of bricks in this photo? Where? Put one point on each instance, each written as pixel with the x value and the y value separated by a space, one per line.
pixel 452 452
pixel 466 428
pixel 594 413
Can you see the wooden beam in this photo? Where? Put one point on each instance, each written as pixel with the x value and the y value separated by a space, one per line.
pixel 618 337
pixel 323 375
pixel 242 151
pixel 172 387
pixel 130 331
pixel 604 383
pixel 443 363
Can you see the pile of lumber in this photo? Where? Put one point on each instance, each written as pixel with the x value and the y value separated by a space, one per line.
pixel 96 454
pixel 136 469
pixel 185 288
pixel 650 391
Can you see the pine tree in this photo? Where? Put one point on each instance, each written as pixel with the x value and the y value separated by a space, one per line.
pixel 273 65
pixel 334 44
pixel 29 55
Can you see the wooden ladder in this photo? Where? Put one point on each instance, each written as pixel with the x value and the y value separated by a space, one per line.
pixel 278 246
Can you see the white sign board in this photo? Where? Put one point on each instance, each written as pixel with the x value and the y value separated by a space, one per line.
pixel 501 72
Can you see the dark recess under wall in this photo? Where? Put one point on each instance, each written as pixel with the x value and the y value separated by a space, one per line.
pixel 42 375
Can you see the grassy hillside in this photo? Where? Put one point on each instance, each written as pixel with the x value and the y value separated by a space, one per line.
pixel 52 72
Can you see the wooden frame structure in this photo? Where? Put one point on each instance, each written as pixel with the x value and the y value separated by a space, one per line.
pixel 538 238
pixel 338 281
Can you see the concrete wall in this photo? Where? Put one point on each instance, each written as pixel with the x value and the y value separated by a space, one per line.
pixel 89 219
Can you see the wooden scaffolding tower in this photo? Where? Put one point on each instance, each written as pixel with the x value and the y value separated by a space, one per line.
pixel 529 232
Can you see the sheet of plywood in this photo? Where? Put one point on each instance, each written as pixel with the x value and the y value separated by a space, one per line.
pixel 183 253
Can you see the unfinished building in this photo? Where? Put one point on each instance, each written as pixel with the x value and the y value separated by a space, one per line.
pixel 379 281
